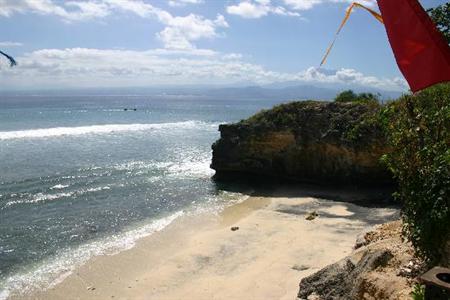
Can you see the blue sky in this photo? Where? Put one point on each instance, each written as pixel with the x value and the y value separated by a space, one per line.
pixel 112 43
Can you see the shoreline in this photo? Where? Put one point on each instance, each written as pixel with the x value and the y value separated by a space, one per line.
pixel 199 257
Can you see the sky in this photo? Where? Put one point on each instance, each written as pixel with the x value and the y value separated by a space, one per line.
pixel 146 43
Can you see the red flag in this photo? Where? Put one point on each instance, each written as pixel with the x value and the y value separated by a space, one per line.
pixel 422 53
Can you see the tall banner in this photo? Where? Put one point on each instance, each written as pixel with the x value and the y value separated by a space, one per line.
pixel 421 51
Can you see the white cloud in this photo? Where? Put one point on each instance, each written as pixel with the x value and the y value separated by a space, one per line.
pixel 302 4
pixel 139 8
pixel 87 9
pixel 10 44
pixel 176 3
pixel 308 4
pixel 254 9
pixel 248 10
pixel 257 9
pixel 73 10
pixel 351 76
pixel 81 67
pixel 233 56
pixel 179 33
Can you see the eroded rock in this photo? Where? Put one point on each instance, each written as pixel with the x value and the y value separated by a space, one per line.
pixel 340 280
pixel 370 272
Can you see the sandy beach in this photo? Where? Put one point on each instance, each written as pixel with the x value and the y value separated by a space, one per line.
pixel 202 258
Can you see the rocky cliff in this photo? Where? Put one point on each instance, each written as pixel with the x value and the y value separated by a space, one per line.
pixel 309 141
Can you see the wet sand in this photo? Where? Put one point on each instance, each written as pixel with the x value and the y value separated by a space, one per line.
pixel 202 258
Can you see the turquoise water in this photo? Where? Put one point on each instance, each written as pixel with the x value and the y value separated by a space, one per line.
pixel 80 176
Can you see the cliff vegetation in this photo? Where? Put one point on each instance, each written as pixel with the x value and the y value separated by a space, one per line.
pixel 418 131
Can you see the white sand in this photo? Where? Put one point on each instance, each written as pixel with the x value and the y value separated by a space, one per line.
pixel 201 258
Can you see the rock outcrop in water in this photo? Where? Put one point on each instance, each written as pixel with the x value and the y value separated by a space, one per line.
pixel 309 141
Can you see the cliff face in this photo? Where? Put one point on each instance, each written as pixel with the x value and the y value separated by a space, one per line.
pixel 326 143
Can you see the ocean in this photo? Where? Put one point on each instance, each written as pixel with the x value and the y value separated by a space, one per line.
pixel 89 175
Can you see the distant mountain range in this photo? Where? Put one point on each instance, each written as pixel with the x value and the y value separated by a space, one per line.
pixel 297 92
pixel 277 91
pixel 285 93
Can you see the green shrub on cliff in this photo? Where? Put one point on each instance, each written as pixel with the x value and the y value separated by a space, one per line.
pixel 356 123
pixel 418 129
pixel 346 96
pixel 284 115
pixel 362 98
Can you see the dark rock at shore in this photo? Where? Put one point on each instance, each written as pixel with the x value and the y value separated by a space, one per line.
pixel 340 280
pixel 309 141
pixel 381 269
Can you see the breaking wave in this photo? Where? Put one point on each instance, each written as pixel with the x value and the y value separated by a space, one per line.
pixel 98 129
pixel 47 273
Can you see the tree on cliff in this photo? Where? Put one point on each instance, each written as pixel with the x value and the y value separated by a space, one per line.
pixel 441 17
pixel 346 96
pixel 350 96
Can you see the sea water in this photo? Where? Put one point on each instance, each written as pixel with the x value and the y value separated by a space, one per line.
pixel 88 175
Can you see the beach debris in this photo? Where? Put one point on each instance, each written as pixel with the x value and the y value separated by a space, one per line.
pixel 312 215
pixel 91 288
pixel 299 267
pixel 404 271
pixel 413 269
pixel 234 228
pixel 313 296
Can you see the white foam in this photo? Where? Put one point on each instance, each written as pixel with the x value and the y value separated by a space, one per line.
pixel 97 129
pixel 39 197
pixel 193 165
pixel 138 165
pixel 113 110
pixel 58 187
pixel 217 203
pixel 44 197
pixel 4 294
pixel 190 168
pixel 54 270
pixel 97 189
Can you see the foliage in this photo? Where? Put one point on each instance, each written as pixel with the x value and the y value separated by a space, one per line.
pixel 281 116
pixel 441 16
pixel 418 292
pixel 418 129
pixel 356 124
pixel 346 96
pixel 367 123
pixel 350 96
